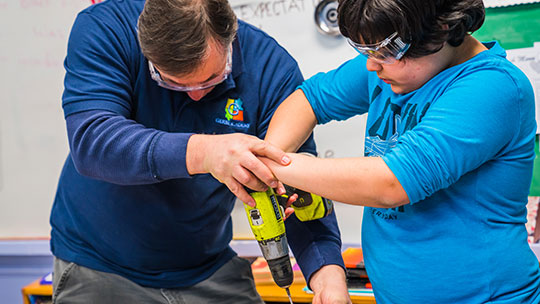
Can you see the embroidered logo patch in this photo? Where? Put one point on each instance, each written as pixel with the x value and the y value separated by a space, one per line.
pixel 234 114
pixel 234 110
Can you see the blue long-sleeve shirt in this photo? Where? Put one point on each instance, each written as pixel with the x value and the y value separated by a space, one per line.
pixel 462 148
pixel 125 202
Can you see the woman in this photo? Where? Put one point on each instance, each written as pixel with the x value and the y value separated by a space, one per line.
pixel 450 137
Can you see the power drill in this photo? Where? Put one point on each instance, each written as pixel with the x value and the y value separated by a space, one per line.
pixel 266 221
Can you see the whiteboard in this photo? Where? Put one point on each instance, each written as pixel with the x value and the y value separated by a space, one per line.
pixel 33 142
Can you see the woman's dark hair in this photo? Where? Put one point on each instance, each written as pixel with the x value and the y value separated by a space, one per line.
pixel 174 34
pixel 425 24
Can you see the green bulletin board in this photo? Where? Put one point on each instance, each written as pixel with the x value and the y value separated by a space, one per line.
pixel 515 27
pixel 535 184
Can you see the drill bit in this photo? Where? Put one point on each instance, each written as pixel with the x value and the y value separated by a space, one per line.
pixel 289 294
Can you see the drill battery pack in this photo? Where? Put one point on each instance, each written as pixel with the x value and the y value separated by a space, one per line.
pixel 308 206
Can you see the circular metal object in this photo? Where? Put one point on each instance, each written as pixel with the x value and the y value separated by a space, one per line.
pixel 326 17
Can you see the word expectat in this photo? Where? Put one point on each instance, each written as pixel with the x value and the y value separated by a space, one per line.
pixel 268 9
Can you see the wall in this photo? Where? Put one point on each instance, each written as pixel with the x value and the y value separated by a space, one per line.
pixel 33 144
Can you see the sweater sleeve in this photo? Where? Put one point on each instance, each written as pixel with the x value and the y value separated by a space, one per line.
pixel 315 243
pixel 112 148
pixel 98 73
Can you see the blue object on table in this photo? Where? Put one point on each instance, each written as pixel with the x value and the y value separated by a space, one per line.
pixel 46 279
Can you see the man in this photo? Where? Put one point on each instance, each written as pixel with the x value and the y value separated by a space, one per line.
pixel 155 107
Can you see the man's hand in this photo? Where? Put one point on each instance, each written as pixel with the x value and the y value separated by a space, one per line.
pixel 330 286
pixel 232 159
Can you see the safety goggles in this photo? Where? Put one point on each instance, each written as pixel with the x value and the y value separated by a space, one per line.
pixel 387 51
pixel 208 84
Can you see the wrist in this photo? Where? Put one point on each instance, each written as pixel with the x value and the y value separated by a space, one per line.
pixel 328 275
pixel 196 153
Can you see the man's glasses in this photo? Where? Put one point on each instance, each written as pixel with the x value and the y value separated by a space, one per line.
pixel 208 84
pixel 387 51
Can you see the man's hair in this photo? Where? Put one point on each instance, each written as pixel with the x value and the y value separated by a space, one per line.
pixel 422 23
pixel 174 34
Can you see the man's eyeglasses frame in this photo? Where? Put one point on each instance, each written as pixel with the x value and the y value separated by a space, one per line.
pixel 211 83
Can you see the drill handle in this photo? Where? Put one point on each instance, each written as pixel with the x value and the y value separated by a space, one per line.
pixel 304 198
pixel 308 206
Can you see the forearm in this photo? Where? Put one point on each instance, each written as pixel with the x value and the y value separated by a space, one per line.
pixel 365 181
pixel 292 123
pixel 109 147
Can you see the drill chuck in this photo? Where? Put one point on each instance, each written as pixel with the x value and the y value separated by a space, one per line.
pixel 281 271
pixel 274 248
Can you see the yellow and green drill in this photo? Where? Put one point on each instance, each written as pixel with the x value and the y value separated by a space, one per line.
pixel 266 221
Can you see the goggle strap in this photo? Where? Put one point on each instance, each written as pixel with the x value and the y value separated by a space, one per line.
pixel 400 43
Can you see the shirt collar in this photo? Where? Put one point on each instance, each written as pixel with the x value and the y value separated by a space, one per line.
pixel 237 70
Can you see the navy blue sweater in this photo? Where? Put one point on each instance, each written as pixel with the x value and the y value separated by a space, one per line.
pixel 125 202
